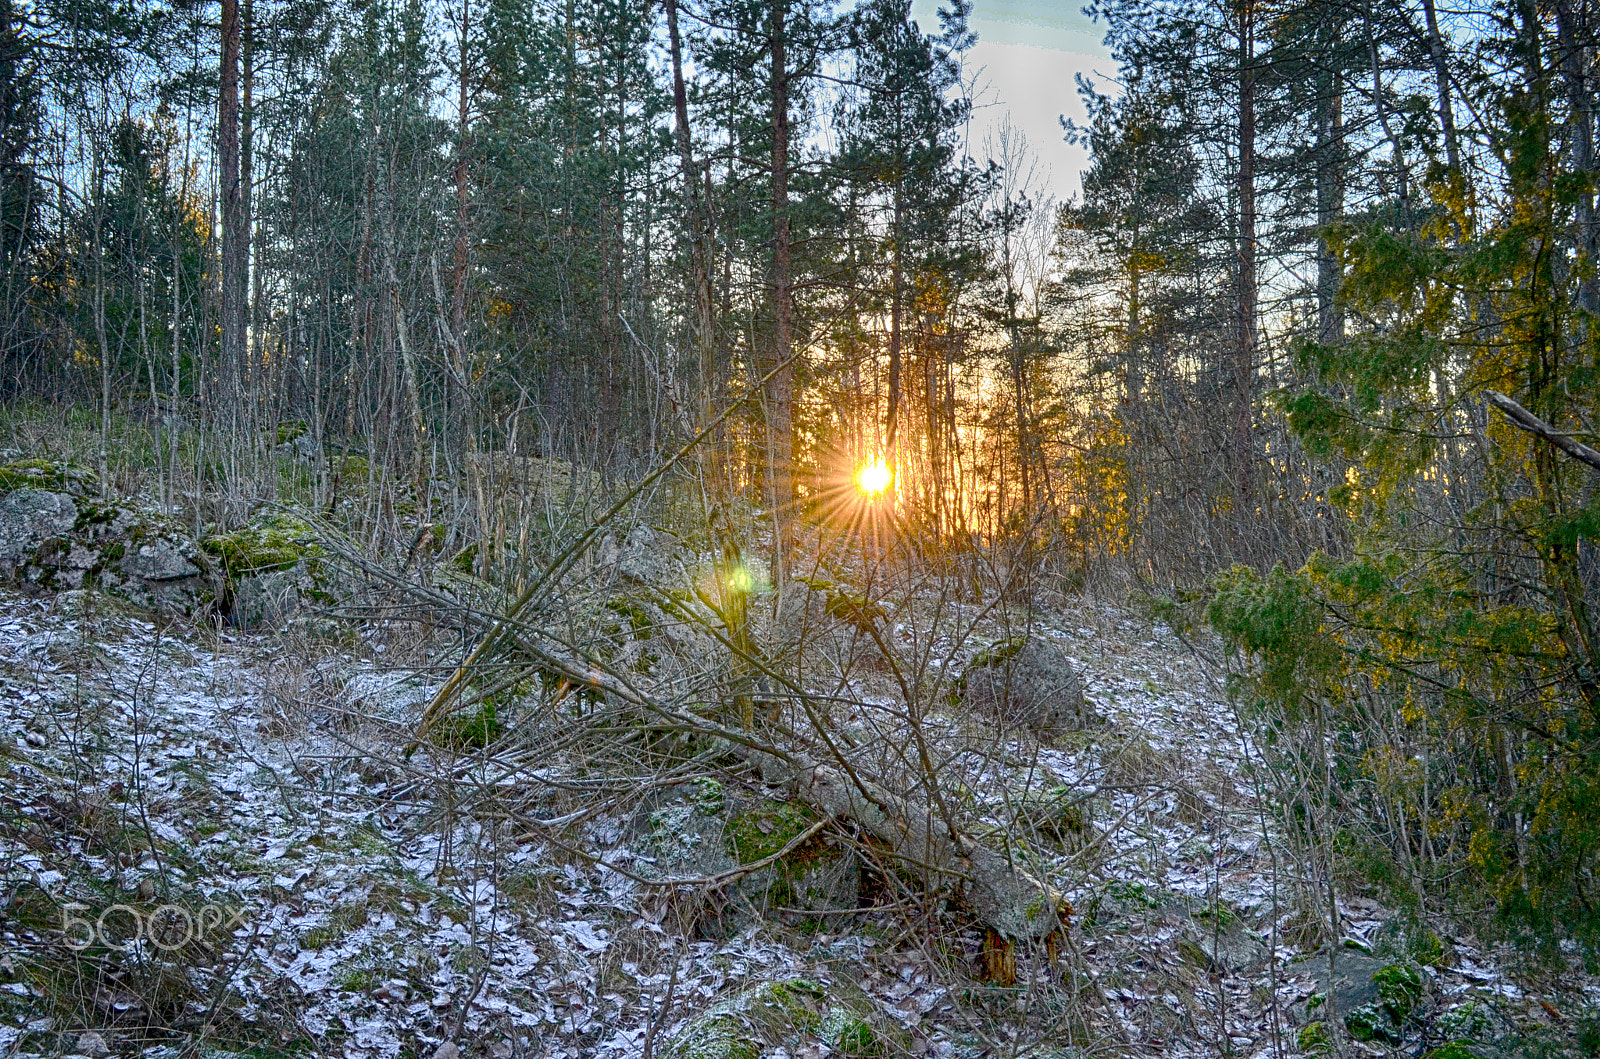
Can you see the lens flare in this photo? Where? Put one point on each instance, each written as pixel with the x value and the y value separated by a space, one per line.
pixel 873 478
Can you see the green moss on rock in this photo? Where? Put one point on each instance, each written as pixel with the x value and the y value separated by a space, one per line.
pixel 1371 1023
pixel 753 1022
pixel 273 543
pixel 849 607
pixel 1453 1050
pixel 472 730
pixel 45 474
pixel 638 618
pixel 1314 1039
pixel 849 1034
pixel 1399 990
pixel 766 828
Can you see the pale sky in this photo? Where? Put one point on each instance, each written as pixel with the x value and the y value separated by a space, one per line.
pixel 1029 51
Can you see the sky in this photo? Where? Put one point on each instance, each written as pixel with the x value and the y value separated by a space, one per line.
pixel 1028 52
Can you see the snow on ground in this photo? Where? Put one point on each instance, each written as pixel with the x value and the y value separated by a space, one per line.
pixel 297 881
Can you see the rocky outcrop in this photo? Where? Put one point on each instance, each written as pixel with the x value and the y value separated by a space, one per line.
pixel 54 537
pixel 1027 682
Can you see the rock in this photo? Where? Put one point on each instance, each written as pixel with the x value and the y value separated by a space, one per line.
pixel 272 565
pixel 30 516
pixel 159 560
pixel 1228 947
pixel 646 556
pixel 784 1014
pixel 1027 682
pixel 826 623
pixel 48 475
pixel 1376 1000
pixel 714 834
pixel 57 539
pixel 268 600
pixel 93 1045
pixel 159 570
pixel 447 1050
pixel 814 876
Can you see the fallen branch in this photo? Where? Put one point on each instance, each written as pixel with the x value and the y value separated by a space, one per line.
pixel 1523 419
pixel 1008 900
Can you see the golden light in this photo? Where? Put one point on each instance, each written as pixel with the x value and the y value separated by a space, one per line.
pixel 873 478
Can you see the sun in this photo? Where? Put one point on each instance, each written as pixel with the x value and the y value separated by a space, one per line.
pixel 874 477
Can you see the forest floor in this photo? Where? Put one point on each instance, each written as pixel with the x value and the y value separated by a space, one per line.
pixel 245 803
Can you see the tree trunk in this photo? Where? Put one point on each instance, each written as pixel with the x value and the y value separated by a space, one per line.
pixel 699 235
pixel 780 390
pixel 1244 367
pixel 1441 78
pixel 235 222
pixel 1576 35
pixel 1330 194
pixel 892 418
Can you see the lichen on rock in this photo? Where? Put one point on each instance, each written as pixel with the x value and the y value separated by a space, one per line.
pixel 54 538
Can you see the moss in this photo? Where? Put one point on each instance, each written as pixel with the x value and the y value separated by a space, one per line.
pixel 1369 1023
pixel 750 1024
pixel 45 474
pixel 351 468
pixel 1057 814
pixel 638 617
pixel 707 795
pixel 91 515
pixel 473 730
pixel 1314 1039
pixel 1399 990
pixel 1453 1050
pixel 768 827
pixel 290 430
pixel 1469 1020
pixel 273 543
pixel 358 980
pixel 848 607
pixel 996 654
pixel 344 919
pixel 848 1034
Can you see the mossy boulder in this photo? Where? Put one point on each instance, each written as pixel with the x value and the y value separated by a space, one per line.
pixel 644 556
pixel 1218 941
pixel 275 542
pixel 1380 1002
pixel 272 565
pixel 1314 1038
pixel 706 831
pixel 29 517
pixel 1060 815
pixel 827 622
pixel 788 1014
pixel 815 876
pixel 1029 682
